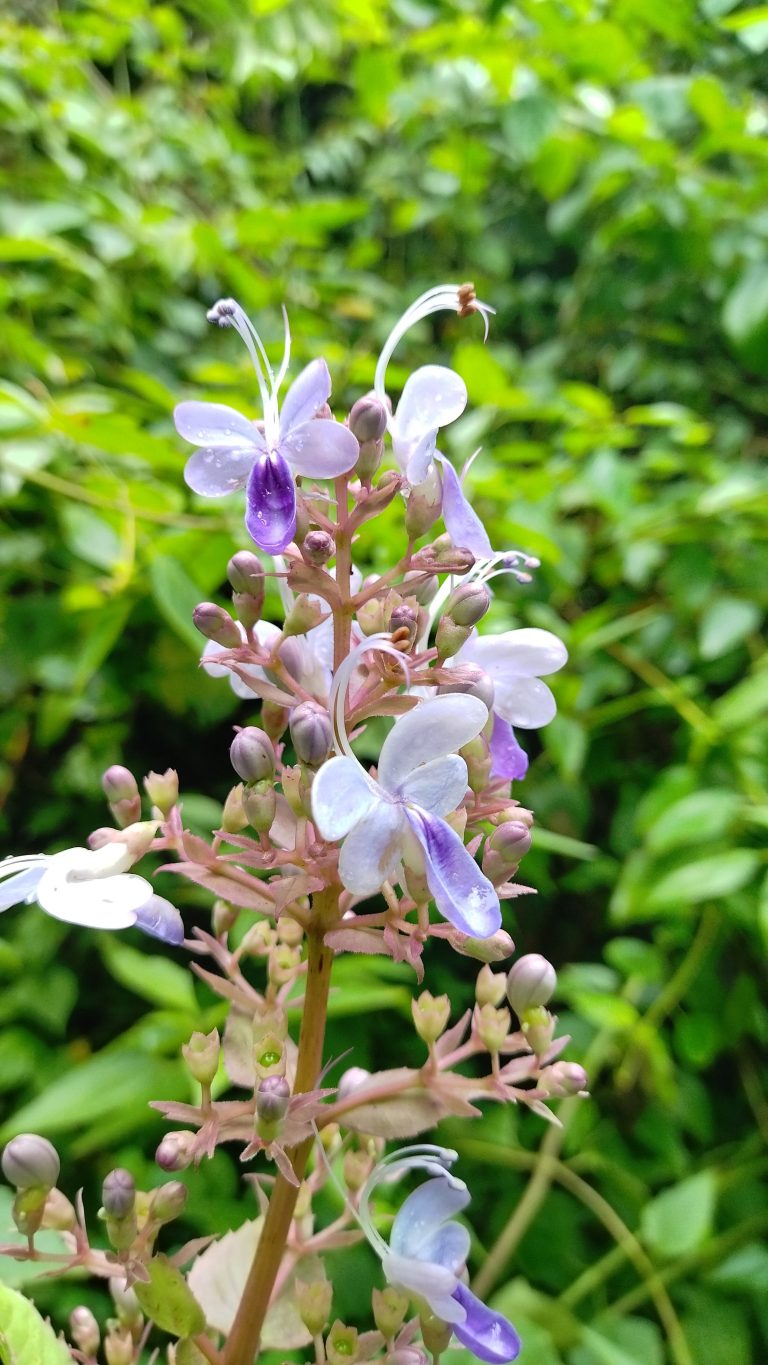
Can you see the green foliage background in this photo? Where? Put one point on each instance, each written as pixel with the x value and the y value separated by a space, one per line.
pixel 600 171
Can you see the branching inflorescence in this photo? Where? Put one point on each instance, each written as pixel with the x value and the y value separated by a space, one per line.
pixel 320 853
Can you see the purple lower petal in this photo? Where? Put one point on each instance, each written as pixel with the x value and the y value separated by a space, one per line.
pixel 489 1335
pixel 461 522
pixel 461 892
pixel 270 515
pixel 509 760
pixel 158 918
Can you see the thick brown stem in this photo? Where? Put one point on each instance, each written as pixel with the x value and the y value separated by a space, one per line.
pixel 243 1342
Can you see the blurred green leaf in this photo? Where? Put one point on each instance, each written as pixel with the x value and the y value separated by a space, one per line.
pixel 680 1219
pixel 155 978
pixel 24 1336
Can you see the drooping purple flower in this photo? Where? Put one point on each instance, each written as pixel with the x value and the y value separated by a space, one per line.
pixel 263 458
pixel 428 1250
pixel 421 779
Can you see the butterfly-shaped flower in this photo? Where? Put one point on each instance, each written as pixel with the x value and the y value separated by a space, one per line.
pixel 421 779
pixel 433 397
pixel 264 458
pixel 91 887
pixel 428 1250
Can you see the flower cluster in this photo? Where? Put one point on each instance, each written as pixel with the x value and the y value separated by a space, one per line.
pixel 371 813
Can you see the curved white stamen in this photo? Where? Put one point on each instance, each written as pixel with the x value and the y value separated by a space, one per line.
pixel 423 1156
pixel 286 353
pixel 22 863
pixel 442 298
pixel 340 686
pixel 228 313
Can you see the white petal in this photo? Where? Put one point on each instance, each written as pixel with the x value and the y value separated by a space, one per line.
pixel 427 1281
pixel 308 393
pixel 371 851
pixel 105 903
pixel 22 886
pixel 321 449
pixel 424 1213
pixel 527 702
pixel 214 473
pixel 433 396
pixel 342 793
pixel 439 786
pixel 215 424
pixel 527 653
pixel 430 730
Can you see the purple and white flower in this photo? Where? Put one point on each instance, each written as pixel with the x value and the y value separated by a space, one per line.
pixel 515 662
pixel 91 887
pixel 264 458
pixel 433 397
pixel 428 1250
pixel 421 779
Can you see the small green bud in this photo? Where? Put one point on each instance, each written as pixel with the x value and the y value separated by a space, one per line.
pixel 341 1344
pixel 450 637
pixel 216 624
pixel 493 1026
pixel 538 1026
pixel 119 1347
pixel 274 719
pixel 435 1333
pixel 289 931
pixel 201 1055
pixel 31 1162
pixel 252 755
pixel 306 613
pixel 357 1168
pixel 468 603
pixel 390 1306
pixel 59 1212
pixel 313 1301
pixel 532 981
pixel 493 949
pixel 163 789
pixel 246 575
pixel 430 1015
pixel 490 986
pixel 224 915
pixel 423 506
pixel 260 805
pixel 269 1057
pixel 371 616
pixel 421 586
pixel 477 756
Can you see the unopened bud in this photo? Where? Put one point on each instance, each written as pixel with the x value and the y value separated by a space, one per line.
pixel 201 1055
pixel 59 1212
pixel 84 1330
pixel 423 505
pixel 127 1305
pixel 435 1333
pixel 357 1168
pixel 119 1347
pixel 390 1306
pixel 313 1301
pixel 504 850
pixel 118 784
pixel 289 930
pixel 274 719
pixel 341 1345
pixel 233 816
pixel 538 1026
pixel 421 586
pixel 495 948
pixel 283 964
pixel 247 609
pixel 450 637
pixel 260 805
pixel 472 680
pixel 352 1079
pixel 477 756
pixel 371 616
pixel 118 1193
pixel 468 603
pixel 176 1150
pixel 168 1201
pixel 224 915
pixel 406 1355
pixel 563 1078
pixel 272 1099
pixel 493 1026
pixel 490 986
pixel 381 496
pixel 311 733
pixel 216 624
pixel 317 548
pixel 368 418
pixel 245 574
pixel 30 1162
pixel 405 619
pixel 296 790
pixel 430 1015
pixel 532 981
pixel 306 613
pixel 163 789
pixel 252 755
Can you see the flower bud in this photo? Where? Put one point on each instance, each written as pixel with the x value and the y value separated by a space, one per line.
pixel 274 719
pixel 493 1026
pixel 371 616
pixel 404 622
pixel 351 1080
pixel 59 1212
pixel 30 1162
pixel 127 1306
pixel 341 1345
pixel 381 496
pixel 477 756
pixel 450 637
pixel 296 790
pixel 538 1026
pixel 406 1355
pixel 306 613
pixel 493 949
pixel 390 1306
pixel 490 986
pixel 216 624
pixel 311 733
pixel 468 603
pixel 317 548
pixel 252 755
pixel 472 680
pixel 421 586
pixel 272 1099
pixel 233 816
pixel 313 1301
pixel 423 505
pixel 532 981
pixel 119 1347
pixel 118 1193
pixel 176 1151
pixel 430 1015
pixel 168 1201
pixel 260 805
pixel 563 1078
pixel 368 418
pixel 224 916
pixel 247 609
pixel 201 1055
pixel 84 1330
pixel 357 1168
pixel 503 851
pixel 163 789
pixel 118 784
pixel 259 940
pixel 246 575
pixel 435 1333
pixel 289 930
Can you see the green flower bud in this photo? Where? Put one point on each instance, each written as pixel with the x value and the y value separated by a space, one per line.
pixel 370 617
pixel 305 613
pixel 274 719
pixel 490 986
pixel 168 1201
pixel 84 1330
pixel 421 586
pixel 289 931
pixel 493 1026
pixel 468 603
pixel 435 1334
pixel 233 816
pixel 216 624
pixel 163 789
pixel 252 755
pixel 390 1306
pixel 357 1168
pixel 430 1015
pixel 450 637
pixel 30 1162
pixel 341 1344
pixel 477 756
pixel 247 609
pixel 59 1212
pixel 119 1347
pixel 532 981
pixel 260 805
pixel 224 915
pixel 313 1301
pixel 269 1057
pixel 311 733
pixel 317 548
pixel 201 1055
pixel 538 1026
pixel 423 505
pixel 283 964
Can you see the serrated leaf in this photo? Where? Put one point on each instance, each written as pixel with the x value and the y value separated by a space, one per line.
pixel 25 1338
pixel 168 1300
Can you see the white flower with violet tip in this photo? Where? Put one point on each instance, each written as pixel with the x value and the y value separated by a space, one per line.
pixel 91 887
pixel 428 1249
pixel 421 779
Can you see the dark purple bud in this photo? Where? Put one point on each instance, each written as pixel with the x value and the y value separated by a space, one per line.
pixel 368 418
pixel 532 981
pixel 118 784
pixel 252 755
pixel 317 548
pixel 246 574
pixel 311 733
pixel 30 1162
pixel 272 1099
pixel 216 624
pixel 118 1193
pixel 472 680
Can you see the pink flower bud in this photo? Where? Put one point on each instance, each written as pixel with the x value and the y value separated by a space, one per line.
pixel 421 586
pixel 472 680
pixel 176 1150
pixel 30 1162
pixel 493 949
pixel 84 1330
pixel 317 548
pixel 246 574
pixel 272 1099
pixel 168 1201
pixel 505 848
pixel 216 624
pixel 352 1079
pixel 311 733
pixel 252 755
pixel 564 1078
pixel 118 784
pixel 531 982
pixel 368 418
